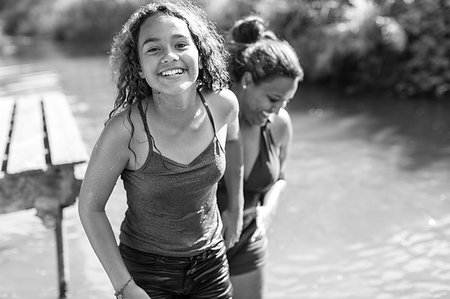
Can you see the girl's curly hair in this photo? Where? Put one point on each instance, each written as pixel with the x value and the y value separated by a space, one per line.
pixel 124 58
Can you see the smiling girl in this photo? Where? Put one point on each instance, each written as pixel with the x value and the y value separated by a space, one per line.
pixel 165 138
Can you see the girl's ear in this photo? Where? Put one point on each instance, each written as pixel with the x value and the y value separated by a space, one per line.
pixel 200 62
pixel 246 80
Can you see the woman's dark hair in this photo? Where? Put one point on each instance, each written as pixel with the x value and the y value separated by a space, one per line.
pixel 260 52
pixel 124 58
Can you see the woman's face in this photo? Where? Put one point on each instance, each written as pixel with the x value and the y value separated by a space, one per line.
pixel 168 55
pixel 258 102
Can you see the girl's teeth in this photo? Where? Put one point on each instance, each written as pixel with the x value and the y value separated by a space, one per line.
pixel 171 72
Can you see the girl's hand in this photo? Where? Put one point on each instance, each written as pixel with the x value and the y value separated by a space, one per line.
pixel 232 227
pixel 133 291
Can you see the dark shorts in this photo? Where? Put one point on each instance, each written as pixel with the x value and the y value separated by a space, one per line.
pixel 249 253
pixel 203 276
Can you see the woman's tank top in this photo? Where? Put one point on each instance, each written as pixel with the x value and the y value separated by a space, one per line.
pixel 264 173
pixel 172 207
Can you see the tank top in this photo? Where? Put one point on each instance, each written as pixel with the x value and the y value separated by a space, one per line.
pixel 172 207
pixel 264 173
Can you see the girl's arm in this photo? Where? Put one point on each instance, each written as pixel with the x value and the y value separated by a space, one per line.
pixel 108 159
pixel 232 217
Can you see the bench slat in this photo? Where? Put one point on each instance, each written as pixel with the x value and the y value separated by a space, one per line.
pixel 66 145
pixel 27 150
pixel 6 108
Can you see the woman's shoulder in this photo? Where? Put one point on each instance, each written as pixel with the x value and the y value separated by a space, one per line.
pixel 281 126
pixel 282 118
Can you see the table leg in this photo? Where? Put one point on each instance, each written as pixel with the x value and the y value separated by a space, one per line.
pixel 60 256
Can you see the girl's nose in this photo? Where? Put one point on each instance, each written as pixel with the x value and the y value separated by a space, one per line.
pixel 169 56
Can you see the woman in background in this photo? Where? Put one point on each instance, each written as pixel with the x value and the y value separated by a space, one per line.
pixel 265 72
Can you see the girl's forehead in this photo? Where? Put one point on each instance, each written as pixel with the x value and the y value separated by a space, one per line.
pixel 163 24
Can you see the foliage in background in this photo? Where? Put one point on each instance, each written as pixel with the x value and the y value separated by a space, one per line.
pixel 83 24
pixel 26 17
pixel 426 66
pixel 91 23
pixel 226 12
pixel 397 46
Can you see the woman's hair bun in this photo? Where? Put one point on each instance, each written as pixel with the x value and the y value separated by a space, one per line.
pixel 248 30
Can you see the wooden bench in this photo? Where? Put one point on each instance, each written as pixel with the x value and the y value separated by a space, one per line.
pixel 40 146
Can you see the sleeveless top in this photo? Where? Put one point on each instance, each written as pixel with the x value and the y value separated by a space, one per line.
pixel 172 207
pixel 264 173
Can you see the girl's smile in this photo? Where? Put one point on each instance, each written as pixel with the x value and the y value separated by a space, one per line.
pixel 172 72
pixel 167 54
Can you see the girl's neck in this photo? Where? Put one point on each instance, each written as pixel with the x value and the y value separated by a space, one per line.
pixel 177 103
pixel 176 109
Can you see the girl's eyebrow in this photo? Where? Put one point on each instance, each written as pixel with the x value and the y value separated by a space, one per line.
pixel 149 40
pixel 154 39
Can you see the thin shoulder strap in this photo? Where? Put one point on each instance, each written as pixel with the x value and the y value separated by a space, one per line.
pixel 208 111
pixel 267 134
pixel 144 120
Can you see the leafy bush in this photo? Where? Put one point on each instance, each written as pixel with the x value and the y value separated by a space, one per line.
pixel 384 45
pixel 400 46
pixel 92 23
pixel 426 65
pixel 25 17
pixel 362 51
pixel 344 43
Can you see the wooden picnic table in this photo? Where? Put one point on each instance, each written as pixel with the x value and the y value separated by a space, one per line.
pixel 40 146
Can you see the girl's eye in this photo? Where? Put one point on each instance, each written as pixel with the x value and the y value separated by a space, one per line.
pixel 181 45
pixel 152 50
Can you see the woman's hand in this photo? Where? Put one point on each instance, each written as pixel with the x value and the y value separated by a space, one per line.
pixel 263 220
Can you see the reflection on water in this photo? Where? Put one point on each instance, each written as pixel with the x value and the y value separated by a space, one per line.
pixel 366 213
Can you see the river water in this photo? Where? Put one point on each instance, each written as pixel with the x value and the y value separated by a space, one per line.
pixel 365 215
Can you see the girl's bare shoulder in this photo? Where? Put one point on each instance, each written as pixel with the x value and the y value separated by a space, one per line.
pixel 120 126
pixel 224 104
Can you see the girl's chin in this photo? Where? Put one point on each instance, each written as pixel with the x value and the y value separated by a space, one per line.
pixel 180 87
